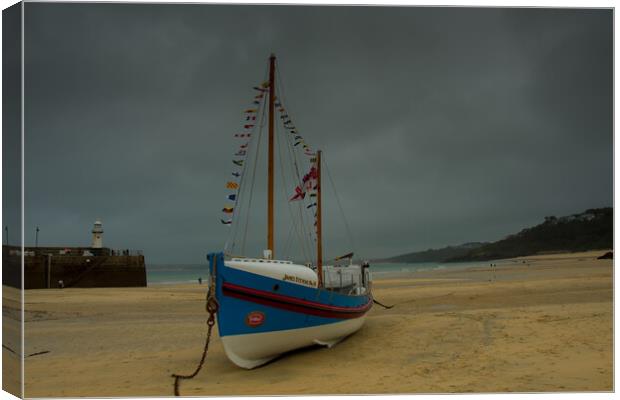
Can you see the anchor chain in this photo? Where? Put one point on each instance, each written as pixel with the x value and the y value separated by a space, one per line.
pixel 211 307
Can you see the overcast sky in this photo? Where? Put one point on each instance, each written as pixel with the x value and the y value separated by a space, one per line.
pixel 440 125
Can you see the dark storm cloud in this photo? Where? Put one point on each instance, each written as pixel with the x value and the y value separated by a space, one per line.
pixel 440 125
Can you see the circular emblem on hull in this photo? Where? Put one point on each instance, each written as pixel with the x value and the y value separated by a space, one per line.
pixel 255 318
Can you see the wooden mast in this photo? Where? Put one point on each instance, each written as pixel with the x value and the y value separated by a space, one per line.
pixel 319 233
pixel 270 216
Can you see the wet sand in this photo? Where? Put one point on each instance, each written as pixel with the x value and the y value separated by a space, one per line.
pixel 543 325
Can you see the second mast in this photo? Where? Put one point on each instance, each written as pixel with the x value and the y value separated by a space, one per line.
pixel 270 215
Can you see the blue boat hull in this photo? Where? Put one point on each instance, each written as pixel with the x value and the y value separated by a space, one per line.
pixel 260 317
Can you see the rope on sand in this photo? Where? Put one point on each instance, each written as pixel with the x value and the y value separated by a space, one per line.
pixel 382 305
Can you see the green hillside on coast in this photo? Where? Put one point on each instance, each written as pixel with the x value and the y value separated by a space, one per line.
pixel 590 230
pixel 434 255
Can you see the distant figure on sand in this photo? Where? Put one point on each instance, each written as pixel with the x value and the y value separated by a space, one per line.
pixel 200 280
pixel 61 284
pixel 493 270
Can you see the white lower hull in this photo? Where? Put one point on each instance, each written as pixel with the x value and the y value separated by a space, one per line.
pixel 252 350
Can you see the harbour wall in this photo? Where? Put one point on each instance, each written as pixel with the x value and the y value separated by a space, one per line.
pixel 46 270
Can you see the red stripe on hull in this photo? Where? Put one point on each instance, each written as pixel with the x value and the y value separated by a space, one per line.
pixel 294 304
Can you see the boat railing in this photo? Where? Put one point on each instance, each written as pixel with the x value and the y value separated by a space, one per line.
pixel 345 279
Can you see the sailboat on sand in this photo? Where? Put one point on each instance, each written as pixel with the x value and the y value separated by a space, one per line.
pixel 267 306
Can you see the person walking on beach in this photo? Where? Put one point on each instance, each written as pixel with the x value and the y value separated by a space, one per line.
pixel 200 280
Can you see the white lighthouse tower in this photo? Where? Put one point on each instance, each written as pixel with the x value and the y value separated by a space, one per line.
pixel 97 235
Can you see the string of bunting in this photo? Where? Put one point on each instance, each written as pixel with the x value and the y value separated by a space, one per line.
pixel 239 157
pixel 309 182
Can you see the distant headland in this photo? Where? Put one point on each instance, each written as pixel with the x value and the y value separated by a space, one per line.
pixel 589 230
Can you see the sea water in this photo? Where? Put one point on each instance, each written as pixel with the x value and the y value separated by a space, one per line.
pixel 161 274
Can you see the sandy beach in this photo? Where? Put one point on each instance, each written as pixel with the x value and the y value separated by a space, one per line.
pixel 544 324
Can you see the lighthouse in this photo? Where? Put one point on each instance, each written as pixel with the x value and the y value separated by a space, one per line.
pixel 97 235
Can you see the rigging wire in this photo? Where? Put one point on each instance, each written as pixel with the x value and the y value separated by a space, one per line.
pixel 239 200
pixel 311 214
pixel 260 134
pixel 239 203
pixel 346 223
pixel 283 179
pixel 242 188
pixel 285 252
pixel 284 184
pixel 305 232
pixel 305 247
